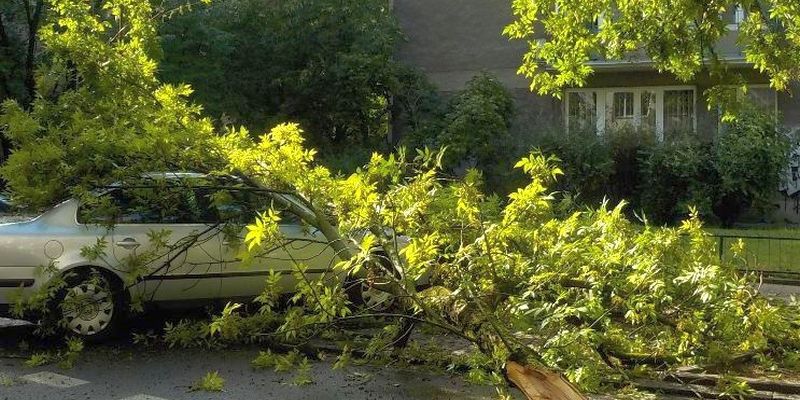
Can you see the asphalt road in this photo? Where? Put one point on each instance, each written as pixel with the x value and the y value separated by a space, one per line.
pixel 108 374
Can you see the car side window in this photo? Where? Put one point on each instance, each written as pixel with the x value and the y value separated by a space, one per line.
pixel 163 205
pixel 133 206
pixel 242 205
pixel 186 205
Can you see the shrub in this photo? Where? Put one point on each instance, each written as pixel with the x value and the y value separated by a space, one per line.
pixel 419 110
pixel 748 158
pixel 477 122
pixel 627 146
pixel 740 171
pixel 597 167
pixel 475 128
pixel 676 174
pixel 586 161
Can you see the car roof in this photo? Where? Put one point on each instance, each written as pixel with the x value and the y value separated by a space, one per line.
pixel 174 175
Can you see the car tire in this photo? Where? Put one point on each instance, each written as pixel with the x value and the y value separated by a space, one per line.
pixel 91 305
pixel 365 292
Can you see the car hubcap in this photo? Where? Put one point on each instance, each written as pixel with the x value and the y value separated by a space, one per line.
pixel 375 296
pixel 87 309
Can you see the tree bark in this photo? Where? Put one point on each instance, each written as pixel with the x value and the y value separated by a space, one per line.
pixel 314 217
pixel 540 384
pixel 33 18
pixel 5 42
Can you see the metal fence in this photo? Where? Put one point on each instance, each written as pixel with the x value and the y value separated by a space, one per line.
pixel 776 258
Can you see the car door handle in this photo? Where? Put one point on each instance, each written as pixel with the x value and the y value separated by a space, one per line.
pixel 128 243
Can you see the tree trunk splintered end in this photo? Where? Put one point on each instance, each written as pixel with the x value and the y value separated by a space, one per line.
pixel 541 384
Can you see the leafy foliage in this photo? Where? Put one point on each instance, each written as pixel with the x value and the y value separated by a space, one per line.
pixel 328 64
pixel 587 162
pixel 66 358
pixel 748 158
pixel 678 37
pixel 285 363
pixel 589 293
pixel 677 174
pixel 740 171
pixel 37 360
pixel 119 115
pixel 474 127
pixel 598 167
pixel 478 121
pixel 19 48
pixel 587 288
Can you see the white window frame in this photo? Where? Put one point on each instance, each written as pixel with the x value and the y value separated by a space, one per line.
pixel 625 104
pixel 738 18
pixel 597 25
pixel 605 95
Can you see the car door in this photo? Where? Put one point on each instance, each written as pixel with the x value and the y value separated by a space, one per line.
pixel 302 244
pixel 170 234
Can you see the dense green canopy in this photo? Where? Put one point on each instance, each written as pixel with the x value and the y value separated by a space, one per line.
pixel 678 36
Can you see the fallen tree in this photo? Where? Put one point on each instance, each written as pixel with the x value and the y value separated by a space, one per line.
pixel 539 290
pixel 589 293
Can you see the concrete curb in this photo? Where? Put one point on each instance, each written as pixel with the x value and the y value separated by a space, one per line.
pixel 13 330
pixel 705 386
pixel 755 383
pixel 704 392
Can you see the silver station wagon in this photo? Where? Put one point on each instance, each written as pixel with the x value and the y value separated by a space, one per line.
pixel 187 242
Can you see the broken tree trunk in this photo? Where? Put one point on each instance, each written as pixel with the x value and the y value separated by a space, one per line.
pixel 541 384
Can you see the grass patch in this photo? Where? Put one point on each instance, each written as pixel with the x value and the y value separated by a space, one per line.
pixel 6 380
pixel 774 249
pixel 38 359
pixel 211 382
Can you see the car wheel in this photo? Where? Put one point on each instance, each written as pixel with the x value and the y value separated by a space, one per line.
pixel 373 295
pixel 91 305
pixel 372 292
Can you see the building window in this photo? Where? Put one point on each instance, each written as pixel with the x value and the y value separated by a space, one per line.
pixel 763 97
pixel 678 111
pixel 623 105
pixel 582 111
pixel 737 18
pixel 738 15
pixel 648 117
pixel 760 96
pixel 658 110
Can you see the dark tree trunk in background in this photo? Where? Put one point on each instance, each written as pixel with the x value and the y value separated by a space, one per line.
pixel 5 43
pixel 33 16
pixel 5 91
